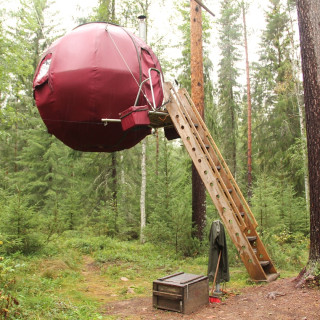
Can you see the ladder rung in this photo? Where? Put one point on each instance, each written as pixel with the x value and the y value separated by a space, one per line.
pixel 252 238
pixel 264 263
pixel 272 276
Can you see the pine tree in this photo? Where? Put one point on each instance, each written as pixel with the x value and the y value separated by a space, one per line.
pixel 229 35
pixel 266 202
pixel 275 119
pixel 18 225
pixel 34 168
pixel 301 143
pixel 106 11
pixel 4 63
pixel 169 198
pixel 309 26
pixel 184 79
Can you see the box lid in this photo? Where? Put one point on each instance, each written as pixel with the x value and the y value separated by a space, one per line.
pixel 132 109
pixel 182 278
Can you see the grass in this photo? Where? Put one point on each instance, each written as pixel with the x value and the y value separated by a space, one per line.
pixel 75 277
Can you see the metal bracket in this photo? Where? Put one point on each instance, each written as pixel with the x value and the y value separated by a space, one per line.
pixel 154 107
pixel 106 121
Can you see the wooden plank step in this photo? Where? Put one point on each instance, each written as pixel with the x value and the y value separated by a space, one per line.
pixel 272 276
pixel 264 263
pixel 269 277
pixel 252 238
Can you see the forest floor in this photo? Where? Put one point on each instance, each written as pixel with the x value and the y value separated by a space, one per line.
pixel 278 300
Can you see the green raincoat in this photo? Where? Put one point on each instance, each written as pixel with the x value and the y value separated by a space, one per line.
pixel 217 242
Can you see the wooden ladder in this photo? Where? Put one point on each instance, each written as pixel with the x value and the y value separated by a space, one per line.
pixel 221 186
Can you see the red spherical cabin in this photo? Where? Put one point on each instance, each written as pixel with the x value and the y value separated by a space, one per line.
pixel 91 73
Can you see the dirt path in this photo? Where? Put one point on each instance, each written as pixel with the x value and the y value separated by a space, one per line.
pixel 278 300
pixel 94 284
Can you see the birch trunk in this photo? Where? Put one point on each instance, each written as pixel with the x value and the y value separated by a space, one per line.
pixel 249 155
pixel 296 67
pixel 143 191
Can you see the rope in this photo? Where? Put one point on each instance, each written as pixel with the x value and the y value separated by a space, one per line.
pixel 122 57
pixel 125 62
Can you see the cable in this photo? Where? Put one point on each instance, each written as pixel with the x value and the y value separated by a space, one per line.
pixel 125 62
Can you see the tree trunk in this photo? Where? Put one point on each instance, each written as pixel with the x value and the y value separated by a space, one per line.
pixel 143 217
pixel 197 95
pixel 297 89
pixel 114 189
pixel 157 153
pixel 233 144
pixel 249 155
pixel 143 191
pixel 309 27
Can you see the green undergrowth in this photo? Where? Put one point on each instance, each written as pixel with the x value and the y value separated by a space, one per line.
pixel 44 288
pixel 52 284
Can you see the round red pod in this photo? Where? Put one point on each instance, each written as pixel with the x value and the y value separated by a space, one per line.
pixel 94 73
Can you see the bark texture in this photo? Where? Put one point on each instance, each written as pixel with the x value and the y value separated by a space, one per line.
pixel 309 27
pixel 197 95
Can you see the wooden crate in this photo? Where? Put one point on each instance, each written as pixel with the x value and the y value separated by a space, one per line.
pixel 181 292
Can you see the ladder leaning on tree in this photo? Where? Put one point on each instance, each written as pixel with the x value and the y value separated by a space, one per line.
pixel 221 186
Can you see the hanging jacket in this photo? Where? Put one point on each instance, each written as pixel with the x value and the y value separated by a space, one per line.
pixel 217 242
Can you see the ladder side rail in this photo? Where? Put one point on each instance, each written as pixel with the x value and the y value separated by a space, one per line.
pixel 262 254
pixel 227 214
pixel 210 166
pixel 221 176
pixel 222 161
pixel 219 180
pixel 249 230
pixel 206 135
pixel 234 199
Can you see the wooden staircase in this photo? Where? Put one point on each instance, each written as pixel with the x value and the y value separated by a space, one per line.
pixel 221 186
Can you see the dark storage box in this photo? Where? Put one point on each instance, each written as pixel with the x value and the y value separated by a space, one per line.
pixel 134 116
pixel 171 133
pixel 181 292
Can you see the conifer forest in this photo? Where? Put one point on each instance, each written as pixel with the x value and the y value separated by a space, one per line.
pixel 131 210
